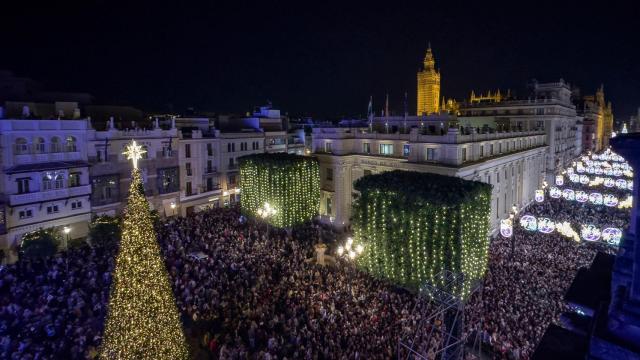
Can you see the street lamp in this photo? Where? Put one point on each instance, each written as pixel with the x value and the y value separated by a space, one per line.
pixel 265 213
pixel 512 215
pixel 173 208
pixel 350 251
pixel 66 231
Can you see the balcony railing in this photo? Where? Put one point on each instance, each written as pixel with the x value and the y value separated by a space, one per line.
pixel 210 169
pixel 41 196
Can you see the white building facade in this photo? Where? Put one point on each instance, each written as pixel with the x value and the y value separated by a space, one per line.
pixel 513 162
pixel 45 177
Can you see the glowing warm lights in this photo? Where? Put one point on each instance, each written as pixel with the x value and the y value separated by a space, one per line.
pixel 559 180
pixel 539 195
pixel 610 200
pixel 282 189
pixel 612 236
pixel 143 321
pixel 545 225
pixel 415 225
pixel 582 196
pixel 555 193
pixel 529 222
pixel 595 198
pixel 134 152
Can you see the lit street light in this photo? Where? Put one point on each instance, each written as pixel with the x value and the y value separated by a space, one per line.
pixel 265 213
pixel 66 231
pixel 349 251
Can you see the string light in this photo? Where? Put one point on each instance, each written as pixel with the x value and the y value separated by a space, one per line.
pixel 414 225
pixel 143 321
pixel 288 183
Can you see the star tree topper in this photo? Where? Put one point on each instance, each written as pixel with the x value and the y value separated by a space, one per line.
pixel 134 152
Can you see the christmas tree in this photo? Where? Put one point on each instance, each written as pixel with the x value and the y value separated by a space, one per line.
pixel 142 320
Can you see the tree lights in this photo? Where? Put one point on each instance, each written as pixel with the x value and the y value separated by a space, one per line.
pixel 142 320
pixel 288 183
pixel 414 225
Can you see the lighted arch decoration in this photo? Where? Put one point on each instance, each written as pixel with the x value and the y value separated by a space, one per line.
pixel 612 236
pixel 599 171
pixel 568 194
pixel 570 170
pixel 559 180
pixel 539 196
pixel 617 172
pixel 590 233
pixel 582 196
pixel 630 185
pixel 610 200
pixel 529 222
pixel 609 182
pixel 555 193
pixel 608 172
pixel 591 170
pixel 595 198
pixel 546 226
pixel 584 179
pixel 621 184
pixel 574 178
pixel 506 228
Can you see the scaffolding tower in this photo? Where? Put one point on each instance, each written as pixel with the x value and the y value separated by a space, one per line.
pixel 439 331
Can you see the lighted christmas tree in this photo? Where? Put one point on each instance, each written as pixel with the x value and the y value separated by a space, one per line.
pixel 142 320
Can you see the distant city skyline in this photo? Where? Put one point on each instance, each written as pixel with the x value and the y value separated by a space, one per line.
pixel 324 63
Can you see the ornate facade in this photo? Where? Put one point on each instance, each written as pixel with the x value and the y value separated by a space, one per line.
pixel 428 86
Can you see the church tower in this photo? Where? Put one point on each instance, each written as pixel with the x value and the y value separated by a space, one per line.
pixel 428 86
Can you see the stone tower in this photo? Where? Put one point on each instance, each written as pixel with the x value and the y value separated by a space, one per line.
pixel 428 86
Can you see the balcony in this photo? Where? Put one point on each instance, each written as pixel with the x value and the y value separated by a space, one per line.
pixel 210 169
pixel 41 196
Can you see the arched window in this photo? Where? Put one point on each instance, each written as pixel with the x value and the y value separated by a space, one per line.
pixel 70 144
pixel 47 183
pixel 56 145
pixel 22 147
pixel 38 145
pixel 145 154
pixel 59 181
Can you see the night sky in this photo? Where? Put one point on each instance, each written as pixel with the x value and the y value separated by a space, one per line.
pixel 323 61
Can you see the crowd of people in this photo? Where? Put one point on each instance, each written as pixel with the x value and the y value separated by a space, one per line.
pixel 260 297
pixel 55 308
pixel 523 291
pixel 248 292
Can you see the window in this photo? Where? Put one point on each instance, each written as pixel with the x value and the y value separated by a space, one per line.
pixel 189 190
pixel 329 212
pixel 233 146
pixel 488 178
pixel 507 146
pixel 481 150
pixel 209 166
pixel 187 150
pixel 59 181
pixel 491 150
pixel 23 185
pixel 25 214
pixel 70 144
pixel 187 167
pixel 76 205
pixel 74 179
pixel 105 189
pixel 39 145
pixel 55 144
pixel 211 185
pixel 47 183
pixel 497 207
pixel 231 180
pixel 464 154
pixel 22 147
pixel 406 150
pixel 209 149
pixel 431 154
pixel 329 174
pixel 99 155
pixel 498 177
pixel 52 209
pixel 327 147
pixel 168 180
pixel 167 151
pixel 145 154
pixel 231 163
pixel 366 148
pixel 386 149
pixel 500 148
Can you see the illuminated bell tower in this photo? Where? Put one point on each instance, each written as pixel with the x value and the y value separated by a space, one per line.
pixel 428 86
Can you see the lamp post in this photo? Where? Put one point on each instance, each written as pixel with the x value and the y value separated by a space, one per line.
pixel 173 208
pixel 512 215
pixel 350 252
pixel 66 231
pixel 265 213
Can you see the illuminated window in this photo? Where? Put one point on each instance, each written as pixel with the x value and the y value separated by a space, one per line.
pixel 406 150
pixel 329 174
pixel 25 214
pixel 22 147
pixel 70 144
pixel 327 147
pixel 431 154
pixel 386 149
pixel 366 148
